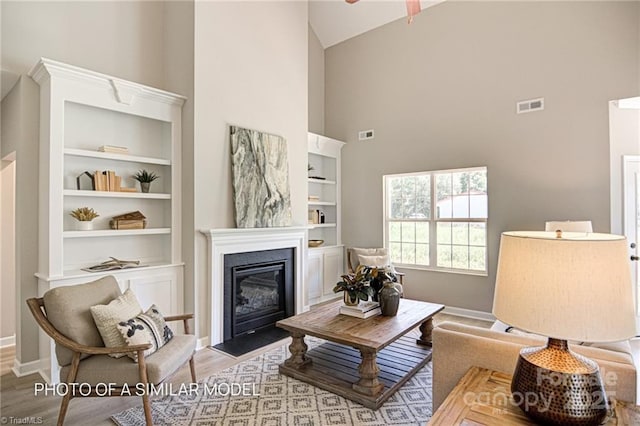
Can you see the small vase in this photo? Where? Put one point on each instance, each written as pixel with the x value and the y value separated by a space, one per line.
pixel 84 225
pixel 350 300
pixel 389 298
pixel 144 186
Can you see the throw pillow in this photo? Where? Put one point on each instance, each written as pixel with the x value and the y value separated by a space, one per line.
pixel 149 327
pixel 108 316
pixel 374 261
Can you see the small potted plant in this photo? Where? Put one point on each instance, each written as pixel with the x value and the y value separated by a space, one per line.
pixel 355 287
pixel 84 215
pixel 145 178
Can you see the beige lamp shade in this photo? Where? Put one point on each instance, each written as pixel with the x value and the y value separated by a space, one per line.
pixel 577 287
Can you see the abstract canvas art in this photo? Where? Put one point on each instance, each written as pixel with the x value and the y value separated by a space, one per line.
pixel 260 179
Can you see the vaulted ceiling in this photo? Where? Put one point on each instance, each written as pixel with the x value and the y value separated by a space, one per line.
pixel 336 20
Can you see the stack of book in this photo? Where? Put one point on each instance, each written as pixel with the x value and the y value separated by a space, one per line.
pixel 363 310
pixel 314 198
pixel 108 180
pixel 114 149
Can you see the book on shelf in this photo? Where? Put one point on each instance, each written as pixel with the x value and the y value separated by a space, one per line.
pixel 360 314
pixel 108 180
pixel 114 149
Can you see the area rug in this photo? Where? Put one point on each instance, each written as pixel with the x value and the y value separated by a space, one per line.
pixel 272 399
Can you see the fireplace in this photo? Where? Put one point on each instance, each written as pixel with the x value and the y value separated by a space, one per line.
pixel 259 290
pixel 224 242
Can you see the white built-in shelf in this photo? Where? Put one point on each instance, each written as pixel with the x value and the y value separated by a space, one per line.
pixel 322 225
pixel 79 273
pixel 321 203
pixel 323 181
pixel 118 157
pixel 325 247
pixel 115 194
pixel 115 232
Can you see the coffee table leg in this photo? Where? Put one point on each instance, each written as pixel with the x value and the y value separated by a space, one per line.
pixel 298 350
pixel 425 329
pixel 368 369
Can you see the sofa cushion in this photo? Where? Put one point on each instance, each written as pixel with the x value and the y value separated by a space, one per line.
pixel 536 340
pixel 357 252
pixel 68 309
pixel 104 369
pixel 108 316
pixel 148 327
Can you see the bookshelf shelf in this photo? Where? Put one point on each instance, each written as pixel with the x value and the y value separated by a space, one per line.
pixel 110 194
pixel 322 181
pixel 115 232
pixel 117 157
pixel 321 203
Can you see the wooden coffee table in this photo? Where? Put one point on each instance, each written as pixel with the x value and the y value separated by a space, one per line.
pixel 365 360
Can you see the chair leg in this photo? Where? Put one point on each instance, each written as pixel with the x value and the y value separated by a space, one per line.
pixel 192 367
pixel 71 378
pixel 146 405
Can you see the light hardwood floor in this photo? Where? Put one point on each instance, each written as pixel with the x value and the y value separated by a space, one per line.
pixel 17 397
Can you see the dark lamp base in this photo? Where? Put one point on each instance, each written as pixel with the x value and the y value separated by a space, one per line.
pixel 553 385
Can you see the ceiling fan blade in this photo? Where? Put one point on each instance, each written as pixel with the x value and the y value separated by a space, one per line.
pixel 351 1
pixel 413 8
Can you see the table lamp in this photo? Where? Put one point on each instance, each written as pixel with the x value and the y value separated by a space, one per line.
pixel 565 286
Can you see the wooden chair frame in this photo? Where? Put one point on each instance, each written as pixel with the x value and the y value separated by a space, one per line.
pixel 36 305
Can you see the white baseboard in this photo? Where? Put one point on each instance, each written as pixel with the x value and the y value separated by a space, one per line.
pixel 7 341
pixel 24 369
pixel 201 343
pixel 469 313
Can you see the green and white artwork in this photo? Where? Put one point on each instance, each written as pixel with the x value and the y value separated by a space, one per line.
pixel 260 179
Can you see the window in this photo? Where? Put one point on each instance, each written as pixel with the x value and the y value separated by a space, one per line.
pixel 438 220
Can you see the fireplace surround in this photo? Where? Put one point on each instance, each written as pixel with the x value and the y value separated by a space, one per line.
pixel 224 242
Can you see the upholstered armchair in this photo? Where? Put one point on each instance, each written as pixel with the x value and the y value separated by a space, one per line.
pixel 64 314
pixel 372 257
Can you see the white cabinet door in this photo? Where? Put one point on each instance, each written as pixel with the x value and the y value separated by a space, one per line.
pixel 163 290
pixel 314 275
pixel 332 269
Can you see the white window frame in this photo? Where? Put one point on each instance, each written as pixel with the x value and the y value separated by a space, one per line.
pixel 433 223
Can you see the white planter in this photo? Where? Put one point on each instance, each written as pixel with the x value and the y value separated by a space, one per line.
pixel 84 225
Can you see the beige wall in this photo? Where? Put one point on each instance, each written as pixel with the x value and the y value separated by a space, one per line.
pixel 316 84
pixel 178 68
pixel 119 38
pixel 441 94
pixel 250 70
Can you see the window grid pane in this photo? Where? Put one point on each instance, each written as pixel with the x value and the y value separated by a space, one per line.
pixel 458 195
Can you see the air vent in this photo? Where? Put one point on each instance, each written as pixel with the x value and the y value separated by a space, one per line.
pixel 365 134
pixel 530 105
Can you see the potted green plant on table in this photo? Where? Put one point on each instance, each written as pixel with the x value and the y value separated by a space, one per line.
pixel 84 215
pixel 377 276
pixel 355 287
pixel 145 178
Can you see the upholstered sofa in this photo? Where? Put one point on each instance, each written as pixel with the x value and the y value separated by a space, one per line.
pixel 458 347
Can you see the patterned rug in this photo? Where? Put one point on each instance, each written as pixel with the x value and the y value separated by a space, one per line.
pixel 272 399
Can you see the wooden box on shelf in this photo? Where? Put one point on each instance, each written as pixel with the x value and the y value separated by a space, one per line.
pixel 133 220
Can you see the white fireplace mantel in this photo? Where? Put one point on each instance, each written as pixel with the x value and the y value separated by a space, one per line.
pixel 241 240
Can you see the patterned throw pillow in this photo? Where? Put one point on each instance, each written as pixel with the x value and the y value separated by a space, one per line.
pixel 148 327
pixel 108 316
